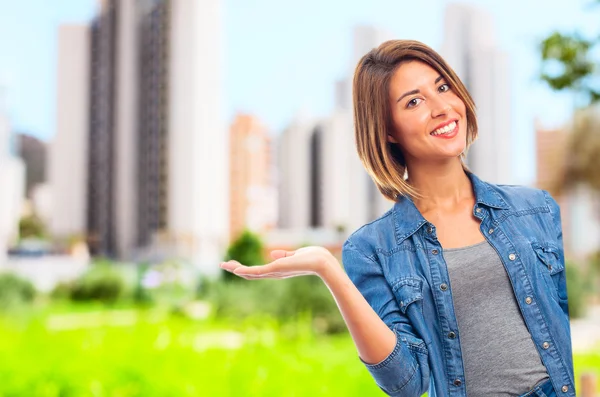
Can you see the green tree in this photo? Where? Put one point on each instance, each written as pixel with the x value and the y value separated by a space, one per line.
pixel 247 249
pixel 569 65
pixel 31 227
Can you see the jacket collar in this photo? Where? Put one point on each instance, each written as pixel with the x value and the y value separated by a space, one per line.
pixel 408 219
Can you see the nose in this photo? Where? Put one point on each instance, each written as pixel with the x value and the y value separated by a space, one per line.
pixel 440 108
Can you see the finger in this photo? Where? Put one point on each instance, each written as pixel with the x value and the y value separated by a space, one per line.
pixel 230 266
pixel 252 270
pixel 277 254
pixel 275 275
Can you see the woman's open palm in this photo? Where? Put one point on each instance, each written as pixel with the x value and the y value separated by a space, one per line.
pixel 304 261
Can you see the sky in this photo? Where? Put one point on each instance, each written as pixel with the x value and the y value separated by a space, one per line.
pixel 283 57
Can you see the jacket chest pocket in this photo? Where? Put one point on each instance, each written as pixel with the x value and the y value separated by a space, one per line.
pixel 553 268
pixel 409 294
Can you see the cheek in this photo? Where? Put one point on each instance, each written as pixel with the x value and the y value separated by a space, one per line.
pixel 411 123
pixel 459 106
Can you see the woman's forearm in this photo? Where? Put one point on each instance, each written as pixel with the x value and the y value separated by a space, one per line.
pixel 372 337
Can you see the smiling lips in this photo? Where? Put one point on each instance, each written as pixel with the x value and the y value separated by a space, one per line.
pixel 448 131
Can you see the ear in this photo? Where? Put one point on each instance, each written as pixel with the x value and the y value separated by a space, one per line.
pixel 391 139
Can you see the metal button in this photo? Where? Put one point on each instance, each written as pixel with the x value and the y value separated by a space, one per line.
pixel 429 230
pixel 565 388
pixel 435 251
pixel 550 267
pixel 457 382
pixel 478 210
pixel 491 231
pixel 451 335
pixel 443 286
pixel 545 345
pixel 512 257
pixel 528 300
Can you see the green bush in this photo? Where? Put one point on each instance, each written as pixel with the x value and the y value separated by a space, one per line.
pixel 247 249
pixel 286 300
pixel 32 226
pixel 576 289
pixel 15 291
pixel 101 283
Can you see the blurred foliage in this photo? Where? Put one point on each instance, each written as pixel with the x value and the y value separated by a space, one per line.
pixel 170 283
pixel 15 291
pixel 101 283
pixel 163 355
pixel 285 300
pixel 569 63
pixel 247 249
pixel 594 268
pixel 577 289
pixel 583 155
pixel 31 226
pixel 133 353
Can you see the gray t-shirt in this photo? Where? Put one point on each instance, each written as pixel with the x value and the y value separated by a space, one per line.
pixel 499 356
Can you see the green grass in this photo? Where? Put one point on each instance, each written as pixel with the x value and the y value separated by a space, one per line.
pixel 136 353
pixel 587 363
pixel 90 351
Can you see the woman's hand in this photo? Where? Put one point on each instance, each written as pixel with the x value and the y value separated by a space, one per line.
pixel 302 262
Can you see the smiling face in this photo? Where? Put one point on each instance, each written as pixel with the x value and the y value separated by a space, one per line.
pixel 428 118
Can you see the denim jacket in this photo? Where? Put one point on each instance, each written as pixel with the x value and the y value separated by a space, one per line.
pixel 397 264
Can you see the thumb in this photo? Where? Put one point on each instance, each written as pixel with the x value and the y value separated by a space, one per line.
pixel 278 254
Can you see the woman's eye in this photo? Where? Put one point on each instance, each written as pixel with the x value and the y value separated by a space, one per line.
pixel 444 88
pixel 413 102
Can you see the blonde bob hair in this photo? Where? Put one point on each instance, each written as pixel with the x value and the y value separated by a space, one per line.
pixel 383 160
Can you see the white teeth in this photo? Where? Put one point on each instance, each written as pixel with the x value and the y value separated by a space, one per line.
pixel 445 130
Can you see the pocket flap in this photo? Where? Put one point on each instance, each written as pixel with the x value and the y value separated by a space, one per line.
pixel 550 256
pixel 407 291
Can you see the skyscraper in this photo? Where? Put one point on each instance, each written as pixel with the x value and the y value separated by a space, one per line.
pixel 157 164
pixel 12 181
pixel 101 173
pixel 323 183
pixel 253 200
pixel 153 127
pixel 294 166
pixel 33 152
pixel 198 144
pixel 471 50
pixel 68 150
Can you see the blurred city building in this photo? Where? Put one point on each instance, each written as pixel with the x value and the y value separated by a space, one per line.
pixel 12 180
pixel 41 200
pixel 322 183
pixel 293 164
pixel 142 86
pixel 579 207
pixel 33 153
pixel 68 158
pixel 253 203
pixel 470 49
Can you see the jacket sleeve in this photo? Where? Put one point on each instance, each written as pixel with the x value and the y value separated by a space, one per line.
pixel 405 372
pixel 558 238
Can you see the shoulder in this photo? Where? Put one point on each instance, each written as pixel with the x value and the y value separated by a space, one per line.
pixel 371 235
pixel 520 197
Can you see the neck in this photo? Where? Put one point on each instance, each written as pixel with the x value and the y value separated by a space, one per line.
pixel 440 184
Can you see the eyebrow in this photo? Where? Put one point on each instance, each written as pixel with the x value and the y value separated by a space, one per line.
pixel 417 91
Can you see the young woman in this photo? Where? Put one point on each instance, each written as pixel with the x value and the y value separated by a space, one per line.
pixel 459 289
